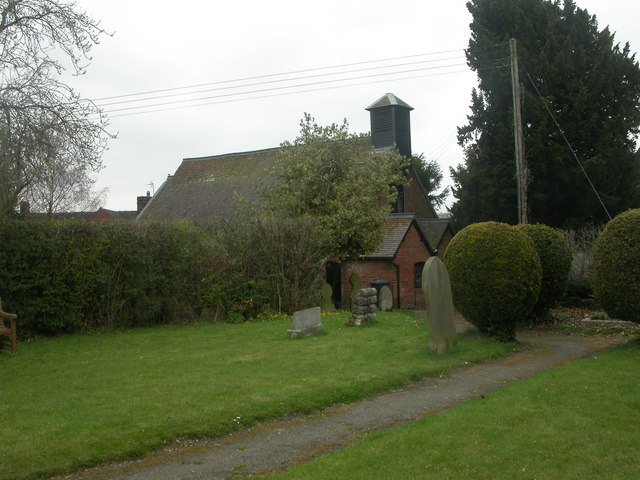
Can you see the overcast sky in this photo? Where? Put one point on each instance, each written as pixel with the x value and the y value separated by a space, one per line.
pixel 161 45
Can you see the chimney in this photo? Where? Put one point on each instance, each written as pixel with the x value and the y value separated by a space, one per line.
pixel 142 201
pixel 390 124
pixel 25 208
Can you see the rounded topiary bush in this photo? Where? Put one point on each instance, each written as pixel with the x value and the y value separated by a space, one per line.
pixel 615 272
pixel 555 258
pixel 495 277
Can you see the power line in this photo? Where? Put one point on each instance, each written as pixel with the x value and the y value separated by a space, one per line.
pixel 277 81
pixel 495 47
pixel 237 94
pixel 281 88
pixel 293 72
pixel 333 87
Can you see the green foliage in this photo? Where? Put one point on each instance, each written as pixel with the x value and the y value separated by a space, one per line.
pixel 616 267
pixel 591 84
pixel 430 175
pixel 70 276
pixel 495 277
pixel 555 258
pixel 332 176
pixel 271 263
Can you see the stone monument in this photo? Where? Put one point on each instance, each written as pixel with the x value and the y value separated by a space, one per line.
pixel 306 323
pixel 439 302
pixel 364 307
pixel 326 298
pixel 386 299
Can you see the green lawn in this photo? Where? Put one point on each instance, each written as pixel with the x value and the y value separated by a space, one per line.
pixel 579 421
pixel 75 401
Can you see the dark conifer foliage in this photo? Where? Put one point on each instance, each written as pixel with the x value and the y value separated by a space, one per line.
pixel 592 86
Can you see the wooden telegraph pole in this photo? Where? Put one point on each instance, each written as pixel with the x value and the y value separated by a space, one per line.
pixel 521 167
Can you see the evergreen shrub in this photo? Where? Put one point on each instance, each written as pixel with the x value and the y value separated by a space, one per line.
pixel 63 277
pixel 616 267
pixel 495 277
pixel 555 258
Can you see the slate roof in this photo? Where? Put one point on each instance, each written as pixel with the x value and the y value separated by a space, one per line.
pixel 396 226
pixel 433 230
pixel 84 216
pixel 206 188
pixel 387 100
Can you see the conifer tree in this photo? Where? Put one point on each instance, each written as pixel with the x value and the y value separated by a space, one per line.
pixel 592 86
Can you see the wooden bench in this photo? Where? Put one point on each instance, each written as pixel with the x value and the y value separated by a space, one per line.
pixel 11 330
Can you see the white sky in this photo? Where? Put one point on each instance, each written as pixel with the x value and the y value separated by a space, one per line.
pixel 161 45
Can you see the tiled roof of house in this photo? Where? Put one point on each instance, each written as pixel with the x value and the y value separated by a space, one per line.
pixel 433 230
pixel 207 188
pixel 396 227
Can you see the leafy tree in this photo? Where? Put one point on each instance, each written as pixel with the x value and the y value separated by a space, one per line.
pixel 332 176
pixel 39 114
pixel 592 86
pixel 430 174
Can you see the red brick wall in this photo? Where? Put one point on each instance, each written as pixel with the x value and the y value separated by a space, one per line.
pixel 399 272
pixel 411 251
pixel 369 271
pixel 415 200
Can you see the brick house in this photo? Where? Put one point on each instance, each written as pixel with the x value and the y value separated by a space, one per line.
pixel 206 189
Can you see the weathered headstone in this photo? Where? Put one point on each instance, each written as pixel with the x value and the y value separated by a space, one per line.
pixel 437 295
pixel 326 298
pixel 386 299
pixel 364 307
pixel 355 281
pixel 305 323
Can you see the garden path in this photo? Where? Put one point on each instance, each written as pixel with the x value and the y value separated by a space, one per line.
pixel 276 445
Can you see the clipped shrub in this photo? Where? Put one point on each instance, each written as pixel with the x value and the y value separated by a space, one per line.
pixel 616 267
pixel 555 258
pixel 495 277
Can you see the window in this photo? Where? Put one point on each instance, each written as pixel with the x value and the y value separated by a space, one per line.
pixel 417 274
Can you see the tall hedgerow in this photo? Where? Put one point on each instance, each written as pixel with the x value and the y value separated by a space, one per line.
pixel 616 267
pixel 495 277
pixel 62 277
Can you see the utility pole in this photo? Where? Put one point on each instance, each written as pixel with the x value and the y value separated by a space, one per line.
pixel 521 167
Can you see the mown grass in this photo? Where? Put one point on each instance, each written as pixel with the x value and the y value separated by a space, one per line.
pixel 579 421
pixel 76 401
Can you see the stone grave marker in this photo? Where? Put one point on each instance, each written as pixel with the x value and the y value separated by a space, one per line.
pixel 326 298
pixel 386 299
pixel 364 307
pixel 306 323
pixel 439 302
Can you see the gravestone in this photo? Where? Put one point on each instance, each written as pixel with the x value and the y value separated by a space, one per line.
pixel 436 287
pixel 386 299
pixel 306 323
pixel 364 307
pixel 326 298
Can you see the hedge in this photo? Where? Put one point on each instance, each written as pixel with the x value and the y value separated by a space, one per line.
pixel 63 277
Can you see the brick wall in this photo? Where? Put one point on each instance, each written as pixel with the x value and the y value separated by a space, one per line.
pixel 415 201
pixel 399 272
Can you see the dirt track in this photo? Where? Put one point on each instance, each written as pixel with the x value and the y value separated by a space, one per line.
pixel 278 444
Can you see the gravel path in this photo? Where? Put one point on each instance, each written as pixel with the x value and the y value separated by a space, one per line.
pixel 278 444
